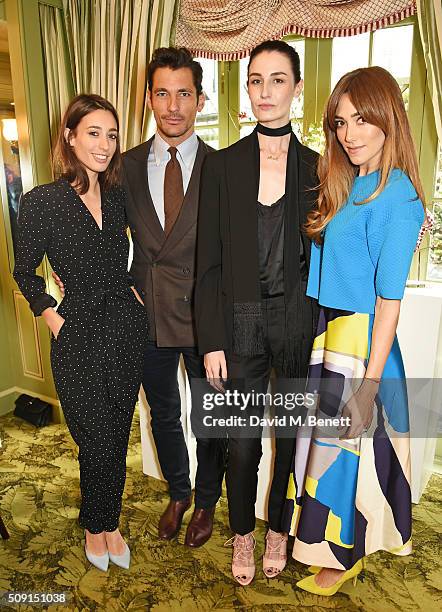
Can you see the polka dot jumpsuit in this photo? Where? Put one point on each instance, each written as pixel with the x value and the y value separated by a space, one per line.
pixel 98 355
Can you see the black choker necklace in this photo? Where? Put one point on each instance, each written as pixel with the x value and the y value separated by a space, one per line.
pixel 281 131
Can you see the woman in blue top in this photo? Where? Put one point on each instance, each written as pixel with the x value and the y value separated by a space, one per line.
pixel 349 491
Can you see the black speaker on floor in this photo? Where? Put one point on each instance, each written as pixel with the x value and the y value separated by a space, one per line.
pixel 33 410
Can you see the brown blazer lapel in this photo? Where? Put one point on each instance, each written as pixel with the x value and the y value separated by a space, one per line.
pixel 189 210
pixel 135 164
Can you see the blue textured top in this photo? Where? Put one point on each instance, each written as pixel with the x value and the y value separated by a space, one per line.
pixel 367 248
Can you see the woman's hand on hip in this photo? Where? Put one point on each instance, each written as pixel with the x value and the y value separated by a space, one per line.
pixel 53 320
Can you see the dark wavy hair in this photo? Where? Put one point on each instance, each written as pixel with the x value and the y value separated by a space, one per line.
pixel 174 58
pixel 65 163
pixel 281 47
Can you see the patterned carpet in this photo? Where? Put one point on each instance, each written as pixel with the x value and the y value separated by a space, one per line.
pixel 39 499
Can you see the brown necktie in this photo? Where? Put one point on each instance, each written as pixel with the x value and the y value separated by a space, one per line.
pixel 173 191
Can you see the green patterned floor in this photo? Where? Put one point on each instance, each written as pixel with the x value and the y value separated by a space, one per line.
pixel 39 500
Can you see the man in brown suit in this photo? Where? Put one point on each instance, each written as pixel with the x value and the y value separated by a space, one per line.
pixel 162 181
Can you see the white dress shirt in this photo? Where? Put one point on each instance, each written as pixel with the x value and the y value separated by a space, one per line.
pixel 156 167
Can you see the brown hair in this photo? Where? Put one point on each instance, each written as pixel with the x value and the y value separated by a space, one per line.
pixel 378 99
pixel 65 163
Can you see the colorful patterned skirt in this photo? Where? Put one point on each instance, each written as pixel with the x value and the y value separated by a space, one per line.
pixel 349 498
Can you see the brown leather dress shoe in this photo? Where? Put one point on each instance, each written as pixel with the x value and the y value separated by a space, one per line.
pixel 200 527
pixel 172 517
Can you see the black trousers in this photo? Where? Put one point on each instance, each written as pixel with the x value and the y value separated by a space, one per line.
pixel 162 392
pixel 244 453
pixel 97 366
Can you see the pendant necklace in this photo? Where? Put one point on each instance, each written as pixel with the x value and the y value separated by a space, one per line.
pixel 276 132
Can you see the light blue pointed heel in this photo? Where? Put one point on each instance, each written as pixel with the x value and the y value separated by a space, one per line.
pixel 101 562
pixel 121 560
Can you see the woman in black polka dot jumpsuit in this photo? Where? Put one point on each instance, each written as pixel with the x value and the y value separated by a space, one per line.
pixel 100 328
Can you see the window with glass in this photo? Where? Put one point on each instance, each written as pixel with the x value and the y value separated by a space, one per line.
pixel 390 48
pixel 434 270
pixel 349 54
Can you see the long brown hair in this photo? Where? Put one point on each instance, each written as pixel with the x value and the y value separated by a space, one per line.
pixel 65 163
pixel 378 99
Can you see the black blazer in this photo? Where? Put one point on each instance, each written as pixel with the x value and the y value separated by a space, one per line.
pixel 163 268
pixel 226 184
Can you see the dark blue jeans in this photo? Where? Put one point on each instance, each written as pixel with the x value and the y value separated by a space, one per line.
pixel 160 384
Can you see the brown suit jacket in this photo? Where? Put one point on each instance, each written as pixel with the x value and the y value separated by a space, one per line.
pixel 163 269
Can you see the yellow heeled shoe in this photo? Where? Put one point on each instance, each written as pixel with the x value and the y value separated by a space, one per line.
pixel 309 584
pixel 314 569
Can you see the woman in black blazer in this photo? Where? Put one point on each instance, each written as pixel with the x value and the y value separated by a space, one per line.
pixel 252 313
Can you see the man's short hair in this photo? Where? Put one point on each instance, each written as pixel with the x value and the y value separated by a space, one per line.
pixel 174 58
